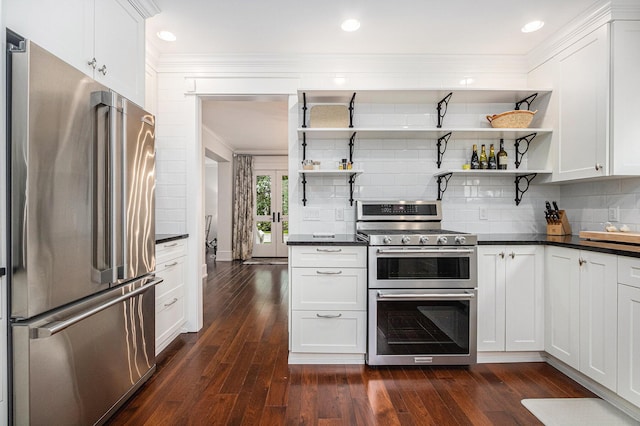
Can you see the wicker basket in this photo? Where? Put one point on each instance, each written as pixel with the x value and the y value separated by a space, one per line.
pixel 517 119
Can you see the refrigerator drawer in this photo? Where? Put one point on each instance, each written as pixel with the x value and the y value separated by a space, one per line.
pixel 81 372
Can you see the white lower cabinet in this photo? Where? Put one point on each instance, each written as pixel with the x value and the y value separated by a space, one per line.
pixel 581 311
pixel 510 298
pixel 629 329
pixel 328 300
pixel 170 294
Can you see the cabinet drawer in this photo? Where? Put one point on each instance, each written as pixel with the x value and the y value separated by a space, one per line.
pixel 170 250
pixel 169 313
pixel 629 271
pixel 172 272
pixel 328 331
pixel 329 256
pixel 329 288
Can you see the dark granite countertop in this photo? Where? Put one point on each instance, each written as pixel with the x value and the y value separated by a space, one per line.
pixel 165 238
pixel 337 239
pixel 569 241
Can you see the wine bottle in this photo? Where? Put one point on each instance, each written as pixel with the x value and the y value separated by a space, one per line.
pixel 475 163
pixel 492 158
pixel 483 158
pixel 502 157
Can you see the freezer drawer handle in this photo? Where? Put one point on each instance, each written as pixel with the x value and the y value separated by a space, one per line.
pixel 57 326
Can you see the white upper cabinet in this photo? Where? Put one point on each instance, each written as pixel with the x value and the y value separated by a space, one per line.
pixel 598 130
pixel 77 31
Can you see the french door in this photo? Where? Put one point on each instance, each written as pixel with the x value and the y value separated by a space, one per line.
pixel 271 213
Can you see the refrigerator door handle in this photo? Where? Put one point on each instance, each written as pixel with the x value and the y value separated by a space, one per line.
pixel 122 195
pixel 103 256
pixel 55 327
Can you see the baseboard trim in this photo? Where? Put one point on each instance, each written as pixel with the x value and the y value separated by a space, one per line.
pixel 509 357
pixel 318 358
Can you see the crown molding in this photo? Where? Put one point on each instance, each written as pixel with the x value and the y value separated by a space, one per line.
pixel 599 14
pixel 146 8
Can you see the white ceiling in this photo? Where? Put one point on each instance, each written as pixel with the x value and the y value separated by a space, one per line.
pixel 219 27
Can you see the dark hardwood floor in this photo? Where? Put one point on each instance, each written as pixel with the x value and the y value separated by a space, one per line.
pixel 235 371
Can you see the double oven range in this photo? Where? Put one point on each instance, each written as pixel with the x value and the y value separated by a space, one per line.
pixel 422 284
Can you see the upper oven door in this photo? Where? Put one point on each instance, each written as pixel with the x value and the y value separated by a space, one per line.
pixel 423 267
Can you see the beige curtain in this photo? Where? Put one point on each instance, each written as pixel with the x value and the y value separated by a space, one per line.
pixel 243 202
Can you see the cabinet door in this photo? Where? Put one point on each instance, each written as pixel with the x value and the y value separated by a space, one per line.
pixel 598 317
pixel 583 141
pixel 524 301
pixel 491 298
pixel 64 28
pixel 625 109
pixel 562 310
pixel 119 45
pixel 629 343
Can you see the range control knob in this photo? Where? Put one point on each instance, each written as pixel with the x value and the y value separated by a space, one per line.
pixel 405 239
pixel 386 240
pixel 424 239
pixel 442 240
pixel 460 240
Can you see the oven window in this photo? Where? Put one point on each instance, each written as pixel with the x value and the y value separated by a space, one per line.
pixel 423 328
pixel 419 268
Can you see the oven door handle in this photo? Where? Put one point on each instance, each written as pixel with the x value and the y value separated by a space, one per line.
pixel 425 251
pixel 426 296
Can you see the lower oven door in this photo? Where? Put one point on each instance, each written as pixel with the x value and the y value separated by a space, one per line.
pixel 422 327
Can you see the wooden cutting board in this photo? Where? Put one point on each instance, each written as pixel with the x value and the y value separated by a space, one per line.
pixel 619 237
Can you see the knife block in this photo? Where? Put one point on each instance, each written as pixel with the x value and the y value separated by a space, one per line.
pixel 560 227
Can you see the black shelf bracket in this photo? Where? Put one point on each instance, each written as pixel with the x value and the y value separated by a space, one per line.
pixel 528 100
pixel 304 146
pixel 441 114
pixel 519 191
pixel 352 181
pixel 443 188
pixel 520 154
pixel 442 150
pixel 352 142
pixel 304 189
pixel 351 102
pixel 304 109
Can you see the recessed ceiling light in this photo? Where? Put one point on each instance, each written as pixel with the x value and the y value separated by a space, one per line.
pixel 532 26
pixel 166 35
pixel 350 25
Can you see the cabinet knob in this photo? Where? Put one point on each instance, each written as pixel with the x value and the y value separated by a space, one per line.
pixel 92 63
pixel 582 261
pixel 513 255
pixel 598 167
pixel 103 70
pixel 501 255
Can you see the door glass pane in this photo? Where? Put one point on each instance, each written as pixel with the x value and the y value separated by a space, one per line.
pixel 285 231
pixel 285 195
pixel 263 195
pixel 263 234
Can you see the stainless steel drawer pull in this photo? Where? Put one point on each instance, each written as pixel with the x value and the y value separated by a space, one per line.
pixel 170 245
pixel 328 272
pixel 329 250
pixel 328 316
pixel 55 327
pixel 419 296
pixel 175 299
pixel 168 265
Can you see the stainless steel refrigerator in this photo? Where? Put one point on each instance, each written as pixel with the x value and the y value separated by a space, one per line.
pixel 82 235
